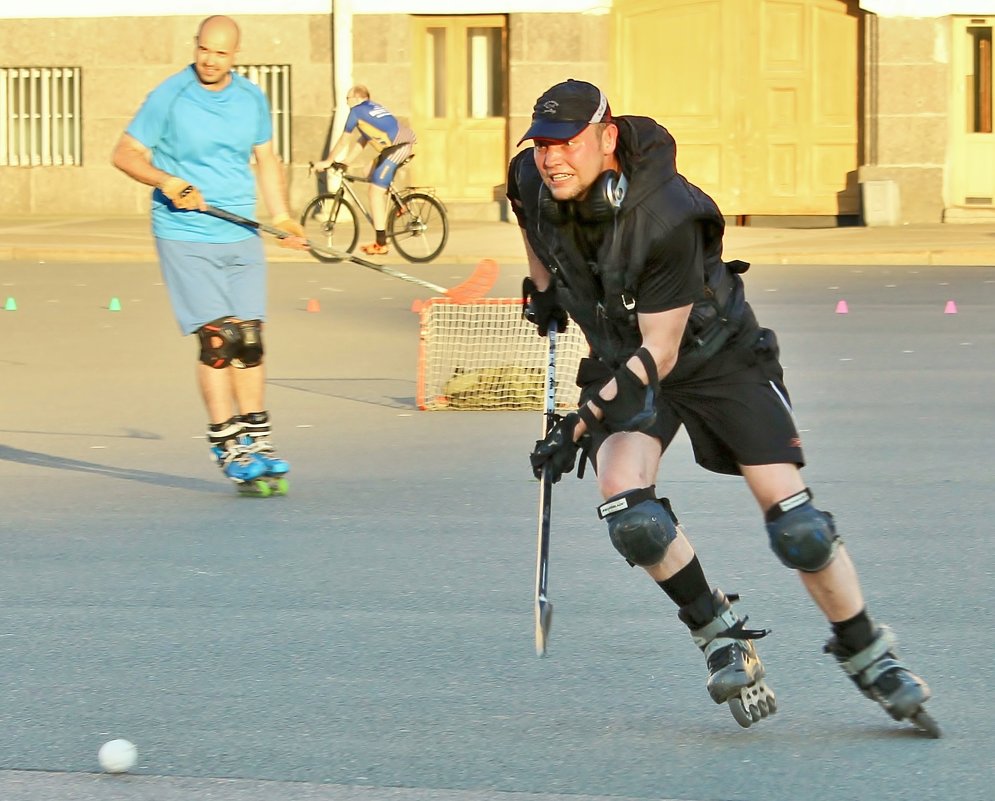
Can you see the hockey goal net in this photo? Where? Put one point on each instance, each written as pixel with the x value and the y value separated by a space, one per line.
pixel 484 356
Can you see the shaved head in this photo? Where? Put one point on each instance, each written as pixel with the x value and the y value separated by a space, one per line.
pixel 214 54
pixel 220 26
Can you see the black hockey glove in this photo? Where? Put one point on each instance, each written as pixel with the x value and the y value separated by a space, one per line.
pixel 634 406
pixel 541 307
pixel 558 450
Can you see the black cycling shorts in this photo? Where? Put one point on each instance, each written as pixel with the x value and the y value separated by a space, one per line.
pixel 735 409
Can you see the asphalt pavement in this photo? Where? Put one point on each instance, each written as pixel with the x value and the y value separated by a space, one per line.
pixel 369 636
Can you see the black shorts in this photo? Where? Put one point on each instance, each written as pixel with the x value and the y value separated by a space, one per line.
pixel 736 410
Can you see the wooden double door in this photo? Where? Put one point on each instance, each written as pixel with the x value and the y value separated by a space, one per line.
pixel 972 151
pixel 459 108
pixel 761 95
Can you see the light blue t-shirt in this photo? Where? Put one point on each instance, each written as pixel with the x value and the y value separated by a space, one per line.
pixel 205 138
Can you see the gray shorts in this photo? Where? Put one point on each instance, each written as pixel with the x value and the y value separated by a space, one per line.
pixel 207 281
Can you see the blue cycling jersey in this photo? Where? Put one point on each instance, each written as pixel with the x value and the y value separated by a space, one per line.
pixel 377 126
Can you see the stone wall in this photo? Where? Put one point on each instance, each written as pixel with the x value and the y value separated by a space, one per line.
pixel 907 99
pixel 122 59
pixel 906 92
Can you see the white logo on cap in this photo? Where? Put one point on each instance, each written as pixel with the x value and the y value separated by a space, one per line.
pixel 599 113
pixel 550 106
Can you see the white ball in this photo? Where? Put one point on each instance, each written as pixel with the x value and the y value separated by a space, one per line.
pixel 117 756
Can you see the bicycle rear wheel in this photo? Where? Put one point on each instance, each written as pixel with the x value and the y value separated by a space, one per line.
pixel 330 222
pixel 419 227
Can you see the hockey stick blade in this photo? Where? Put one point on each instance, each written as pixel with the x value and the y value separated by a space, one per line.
pixel 544 622
pixel 473 288
pixel 479 283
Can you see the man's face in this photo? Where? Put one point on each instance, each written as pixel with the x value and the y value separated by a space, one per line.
pixel 569 167
pixel 214 56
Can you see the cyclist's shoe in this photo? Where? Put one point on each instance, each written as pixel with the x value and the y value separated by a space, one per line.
pixel 374 249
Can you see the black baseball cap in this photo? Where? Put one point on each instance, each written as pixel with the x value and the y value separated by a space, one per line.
pixel 566 109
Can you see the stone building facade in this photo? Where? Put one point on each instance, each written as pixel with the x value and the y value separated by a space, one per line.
pixel 914 147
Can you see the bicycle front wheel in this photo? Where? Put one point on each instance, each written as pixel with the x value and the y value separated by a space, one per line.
pixel 419 227
pixel 329 221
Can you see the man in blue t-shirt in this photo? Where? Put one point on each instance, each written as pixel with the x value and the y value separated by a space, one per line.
pixel 192 140
pixel 371 124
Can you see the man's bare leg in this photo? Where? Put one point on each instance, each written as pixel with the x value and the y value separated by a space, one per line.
pixel 249 388
pixel 629 462
pixel 216 391
pixel 836 588
pixel 865 650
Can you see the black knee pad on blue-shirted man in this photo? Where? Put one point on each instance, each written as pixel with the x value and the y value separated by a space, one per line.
pixel 640 526
pixel 251 354
pixel 227 341
pixel 803 537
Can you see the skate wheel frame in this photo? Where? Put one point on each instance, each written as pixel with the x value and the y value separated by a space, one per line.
pixel 257 488
pixel 264 487
pixel 753 704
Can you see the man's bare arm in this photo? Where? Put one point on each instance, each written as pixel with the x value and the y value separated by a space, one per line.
pixel 273 187
pixel 135 160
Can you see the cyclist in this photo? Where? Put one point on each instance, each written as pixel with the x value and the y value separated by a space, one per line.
pixel 369 123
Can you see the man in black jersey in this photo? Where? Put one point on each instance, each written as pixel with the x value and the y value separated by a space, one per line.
pixel 618 239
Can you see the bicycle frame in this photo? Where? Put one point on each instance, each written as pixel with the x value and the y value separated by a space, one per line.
pixel 393 193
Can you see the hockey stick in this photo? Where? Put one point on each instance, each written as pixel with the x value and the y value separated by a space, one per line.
pixel 543 606
pixel 473 288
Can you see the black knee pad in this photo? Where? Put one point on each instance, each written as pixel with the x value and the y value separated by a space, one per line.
pixel 251 354
pixel 227 341
pixel 220 342
pixel 640 527
pixel 803 537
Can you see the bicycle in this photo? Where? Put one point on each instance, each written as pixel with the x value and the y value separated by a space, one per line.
pixel 417 221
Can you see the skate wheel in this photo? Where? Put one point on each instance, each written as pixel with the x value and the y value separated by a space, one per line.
pixel 280 486
pixel 925 721
pixel 766 699
pixel 740 712
pixel 257 488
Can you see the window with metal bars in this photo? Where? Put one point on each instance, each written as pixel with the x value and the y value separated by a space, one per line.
pixel 274 80
pixel 40 116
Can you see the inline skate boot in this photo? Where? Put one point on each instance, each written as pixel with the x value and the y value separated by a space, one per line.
pixel 881 677
pixel 735 672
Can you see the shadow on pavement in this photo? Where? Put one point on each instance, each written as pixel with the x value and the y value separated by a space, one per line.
pixel 388 392
pixel 129 433
pixel 144 476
